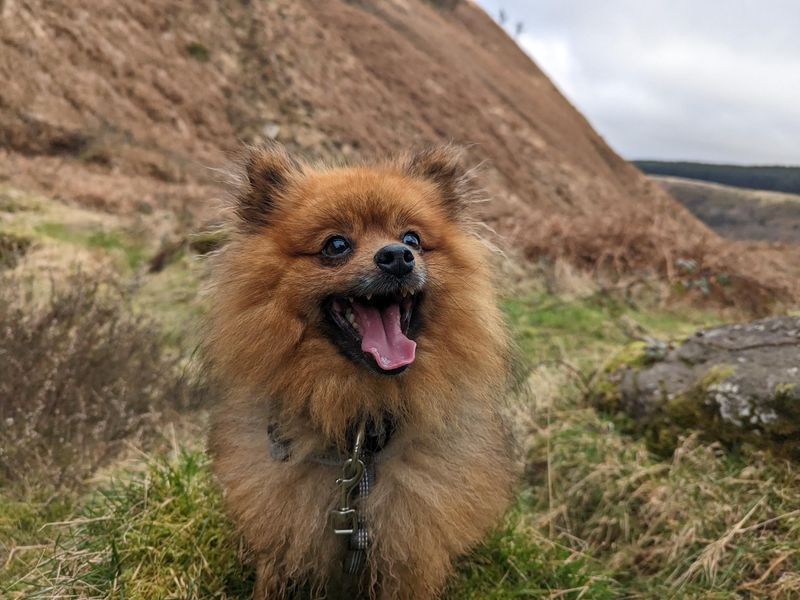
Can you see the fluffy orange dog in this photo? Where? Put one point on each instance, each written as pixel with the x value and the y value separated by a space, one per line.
pixel 355 333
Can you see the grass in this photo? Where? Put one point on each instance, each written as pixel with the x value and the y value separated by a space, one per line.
pixel 155 534
pixel 517 560
pixel 585 330
pixel 666 528
pixel 596 516
pixel 198 52
pixel 120 245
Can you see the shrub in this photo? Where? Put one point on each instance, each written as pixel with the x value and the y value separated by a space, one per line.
pixel 80 375
pixel 644 245
pixel 12 247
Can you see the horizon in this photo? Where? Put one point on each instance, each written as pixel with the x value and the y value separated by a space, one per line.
pixel 672 81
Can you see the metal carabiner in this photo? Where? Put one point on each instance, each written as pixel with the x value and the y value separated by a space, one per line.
pixel 345 517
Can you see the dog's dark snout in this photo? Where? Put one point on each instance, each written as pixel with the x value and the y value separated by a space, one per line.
pixel 396 259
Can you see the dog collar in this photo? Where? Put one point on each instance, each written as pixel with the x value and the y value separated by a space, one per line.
pixel 365 443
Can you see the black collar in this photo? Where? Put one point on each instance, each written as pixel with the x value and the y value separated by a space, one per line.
pixel 378 435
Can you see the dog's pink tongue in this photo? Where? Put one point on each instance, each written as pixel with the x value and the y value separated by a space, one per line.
pixel 382 336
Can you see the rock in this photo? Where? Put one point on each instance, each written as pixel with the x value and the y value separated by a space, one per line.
pixel 735 384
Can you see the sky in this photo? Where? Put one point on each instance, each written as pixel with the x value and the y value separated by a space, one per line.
pixel 706 80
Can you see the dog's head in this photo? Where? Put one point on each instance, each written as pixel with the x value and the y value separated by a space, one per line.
pixel 342 279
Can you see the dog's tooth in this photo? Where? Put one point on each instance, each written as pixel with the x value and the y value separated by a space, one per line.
pixel 369 296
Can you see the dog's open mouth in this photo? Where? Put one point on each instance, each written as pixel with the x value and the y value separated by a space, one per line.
pixel 380 325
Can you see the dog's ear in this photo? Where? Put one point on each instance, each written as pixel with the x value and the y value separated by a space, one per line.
pixel 270 171
pixel 443 166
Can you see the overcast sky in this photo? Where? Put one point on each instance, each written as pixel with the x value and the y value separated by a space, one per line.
pixel 711 80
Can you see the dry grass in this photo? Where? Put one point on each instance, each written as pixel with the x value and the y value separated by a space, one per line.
pixel 80 376
pixel 705 524
pixel 696 265
pixel 597 516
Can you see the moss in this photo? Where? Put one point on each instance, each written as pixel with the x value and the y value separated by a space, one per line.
pixel 685 412
pixel 715 375
pixel 605 388
pixel 714 407
pixel 786 424
pixel 198 52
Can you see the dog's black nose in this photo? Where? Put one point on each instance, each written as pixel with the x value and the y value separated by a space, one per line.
pixel 396 259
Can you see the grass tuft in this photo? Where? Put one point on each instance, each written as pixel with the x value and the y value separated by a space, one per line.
pixel 157 534
pixel 518 561
pixel 198 52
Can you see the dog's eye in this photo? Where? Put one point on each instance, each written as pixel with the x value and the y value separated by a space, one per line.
pixel 411 239
pixel 336 247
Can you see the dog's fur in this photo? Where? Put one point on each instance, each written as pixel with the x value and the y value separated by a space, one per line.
pixel 444 478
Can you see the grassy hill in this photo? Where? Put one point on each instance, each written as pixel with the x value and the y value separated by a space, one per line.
pixel 773 178
pixel 738 213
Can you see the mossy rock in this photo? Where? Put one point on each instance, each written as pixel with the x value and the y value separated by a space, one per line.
pixel 737 384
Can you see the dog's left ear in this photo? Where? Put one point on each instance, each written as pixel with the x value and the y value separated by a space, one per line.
pixel 270 171
pixel 443 166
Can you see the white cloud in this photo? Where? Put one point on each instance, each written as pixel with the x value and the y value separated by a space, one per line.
pixel 717 80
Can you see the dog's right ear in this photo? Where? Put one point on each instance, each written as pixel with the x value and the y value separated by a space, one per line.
pixel 270 171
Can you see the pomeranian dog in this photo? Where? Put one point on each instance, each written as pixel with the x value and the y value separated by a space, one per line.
pixel 364 362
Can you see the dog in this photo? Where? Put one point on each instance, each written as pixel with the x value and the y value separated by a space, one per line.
pixel 353 327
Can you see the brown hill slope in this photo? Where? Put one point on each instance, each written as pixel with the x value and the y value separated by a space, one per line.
pixel 160 92
pixel 121 105
pixel 738 213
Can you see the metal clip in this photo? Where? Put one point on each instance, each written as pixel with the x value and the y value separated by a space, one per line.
pixel 345 518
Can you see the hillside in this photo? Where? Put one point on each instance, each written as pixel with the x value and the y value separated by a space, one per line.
pixel 739 213
pixel 113 106
pixel 772 178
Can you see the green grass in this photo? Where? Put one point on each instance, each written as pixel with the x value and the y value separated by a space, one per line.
pixel 597 515
pixel 24 532
pixel 546 328
pixel 198 51
pixel 155 534
pixel 518 561
pixel 130 252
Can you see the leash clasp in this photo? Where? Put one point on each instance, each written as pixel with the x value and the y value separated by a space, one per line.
pixel 345 517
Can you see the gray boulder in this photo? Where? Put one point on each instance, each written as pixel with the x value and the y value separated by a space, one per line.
pixel 736 384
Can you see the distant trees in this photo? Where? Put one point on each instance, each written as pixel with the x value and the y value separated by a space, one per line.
pixel 778 179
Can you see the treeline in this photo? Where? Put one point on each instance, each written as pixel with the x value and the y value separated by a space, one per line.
pixel 778 179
